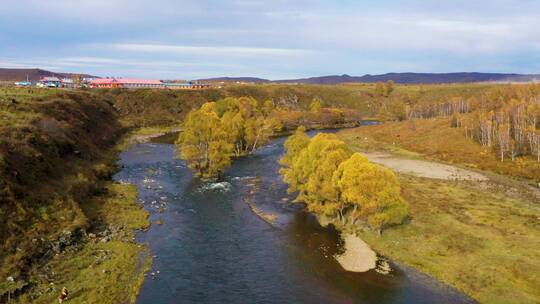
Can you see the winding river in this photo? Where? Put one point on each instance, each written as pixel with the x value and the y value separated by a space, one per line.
pixel 210 246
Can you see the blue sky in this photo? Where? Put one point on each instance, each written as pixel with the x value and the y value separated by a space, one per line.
pixel 273 39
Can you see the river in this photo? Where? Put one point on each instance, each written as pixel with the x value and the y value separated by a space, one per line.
pixel 210 247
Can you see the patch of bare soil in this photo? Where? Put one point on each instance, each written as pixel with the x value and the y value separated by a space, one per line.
pixel 424 168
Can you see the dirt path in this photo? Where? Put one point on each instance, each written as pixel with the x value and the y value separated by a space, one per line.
pixel 424 168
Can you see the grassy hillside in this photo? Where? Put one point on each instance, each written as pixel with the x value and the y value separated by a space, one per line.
pixel 148 108
pixel 94 270
pixel 155 108
pixel 46 143
pixel 56 159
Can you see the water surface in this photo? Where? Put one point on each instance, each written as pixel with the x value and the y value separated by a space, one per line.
pixel 212 248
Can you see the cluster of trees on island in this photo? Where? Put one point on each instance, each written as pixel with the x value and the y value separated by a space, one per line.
pixel 344 186
pixel 235 126
pixel 218 131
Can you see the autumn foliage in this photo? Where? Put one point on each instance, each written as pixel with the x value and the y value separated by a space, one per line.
pixel 503 118
pixel 335 182
pixel 205 145
pixel 217 131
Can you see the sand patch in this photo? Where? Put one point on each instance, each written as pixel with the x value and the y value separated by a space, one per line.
pixel 424 168
pixel 144 138
pixel 358 256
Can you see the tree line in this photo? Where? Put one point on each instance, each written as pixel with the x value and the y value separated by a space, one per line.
pixel 407 103
pixel 512 130
pixel 505 118
pixel 335 182
pixel 218 131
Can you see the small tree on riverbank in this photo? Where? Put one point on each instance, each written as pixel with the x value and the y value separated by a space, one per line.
pixel 369 191
pixel 297 142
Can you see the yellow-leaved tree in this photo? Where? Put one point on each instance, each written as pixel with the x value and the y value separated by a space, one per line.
pixel 204 144
pixel 297 142
pixel 218 130
pixel 334 182
pixel 369 192
pixel 248 123
pixel 314 168
pixel 315 106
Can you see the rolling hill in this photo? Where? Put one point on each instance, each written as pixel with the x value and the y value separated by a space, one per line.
pixel 403 78
pixel 236 79
pixel 33 74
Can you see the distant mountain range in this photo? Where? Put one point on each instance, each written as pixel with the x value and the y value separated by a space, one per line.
pixel 404 78
pixel 236 79
pixel 33 74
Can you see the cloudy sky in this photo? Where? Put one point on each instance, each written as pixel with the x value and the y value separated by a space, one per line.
pixel 274 39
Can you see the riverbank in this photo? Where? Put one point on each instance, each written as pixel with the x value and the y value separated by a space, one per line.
pixel 478 236
pixel 422 168
pixel 105 265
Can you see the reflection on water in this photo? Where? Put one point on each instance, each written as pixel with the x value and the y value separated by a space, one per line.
pixel 211 247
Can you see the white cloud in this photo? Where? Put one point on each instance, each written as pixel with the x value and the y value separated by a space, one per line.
pixel 280 37
pixel 391 32
pixel 205 50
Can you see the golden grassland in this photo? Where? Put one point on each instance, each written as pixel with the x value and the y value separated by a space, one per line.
pixel 483 243
pixel 480 237
pixel 11 98
pixel 436 139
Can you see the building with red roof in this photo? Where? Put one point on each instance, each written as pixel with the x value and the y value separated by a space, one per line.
pixel 127 83
pixel 132 83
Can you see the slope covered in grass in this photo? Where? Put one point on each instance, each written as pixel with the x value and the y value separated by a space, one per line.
pixel 147 108
pixel 55 149
pixel 97 271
